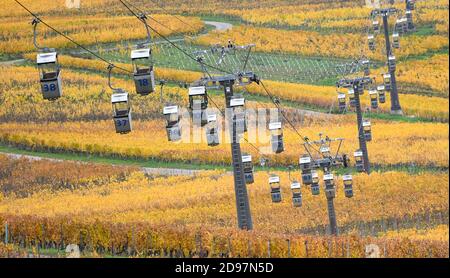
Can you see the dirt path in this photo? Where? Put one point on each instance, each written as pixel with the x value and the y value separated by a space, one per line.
pixel 219 26
pixel 146 170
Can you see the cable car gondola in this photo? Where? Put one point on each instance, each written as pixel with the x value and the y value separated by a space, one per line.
pixel 367 128
pixel 359 161
pixel 315 186
pixel 237 102
pixel 212 131
pixel 144 76
pixel 50 75
pixel 296 194
pixel 376 26
pixel 305 167
pixel 122 112
pixel 351 97
pixel 276 138
pixel 121 107
pixel 381 93
pixel 396 40
pixel 410 5
pixel 366 67
pixel 405 25
pixel 398 28
pixel 348 185
pixel 342 102
pixel 275 189
pixel 325 151
pixel 49 68
pixel 173 128
pixel 248 168
pixel 387 81
pixel 198 104
pixel 330 190
pixel 392 63
pixel 409 20
pixel 373 99
pixel 141 57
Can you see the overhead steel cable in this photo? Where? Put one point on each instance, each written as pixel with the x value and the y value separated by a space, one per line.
pixel 284 116
pixel 170 42
pixel 245 139
pixel 213 67
pixel 70 39
pixel 164 9
pixel 142 12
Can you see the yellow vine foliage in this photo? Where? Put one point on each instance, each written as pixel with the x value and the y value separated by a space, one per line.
pixel 17 33
pixel 419 144
pixel 326 96
pixel 311 43
pixel 178 212
pixel 335 15
pixel 321 96
pixel 439 233
pixel 86 96
pixel 431 73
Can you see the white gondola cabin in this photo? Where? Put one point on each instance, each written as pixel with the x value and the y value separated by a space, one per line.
pixel 50 75
pixel 248 168
pixel 342 102
pixel 409 20
pixel 276 137
pixel 371 40
pixel 404 25
pixel 373 99
pixel 392 63
pixel 237 102
pixel 399 26
pixel 122 112
pixel 330 190
pixel 305 166
pixel 366 67
pixel 325 151
pixel 315 186
pixel 144 75
pixel 351 97
pixel 212 131
pixel 376 26
pixel 381 93
pixel 173 128
pixel 296 194
pixel 198 104
pixel 275 188
pixel 387 81
pixel 410 5
pixel 348 185
pixel 360 89
pixel 359 161
pixel 367 128
pixel 396 40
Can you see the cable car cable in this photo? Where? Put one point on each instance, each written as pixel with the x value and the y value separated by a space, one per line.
pixel 146 14
pixel 164 9
pixel 68 38
pixel 223 115
pixel 173 44
pixel 284 116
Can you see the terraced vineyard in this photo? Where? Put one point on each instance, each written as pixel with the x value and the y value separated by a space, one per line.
pixel 85 184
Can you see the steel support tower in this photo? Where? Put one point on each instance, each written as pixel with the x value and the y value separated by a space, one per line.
pixel 396 109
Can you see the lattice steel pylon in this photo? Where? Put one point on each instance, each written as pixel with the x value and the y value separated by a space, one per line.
pixel 327 162
pixel 240 78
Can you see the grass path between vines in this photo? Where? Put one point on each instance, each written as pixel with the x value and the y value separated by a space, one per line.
pixel 158 167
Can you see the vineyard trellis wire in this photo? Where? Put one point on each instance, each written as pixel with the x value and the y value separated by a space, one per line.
pixel 143 242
